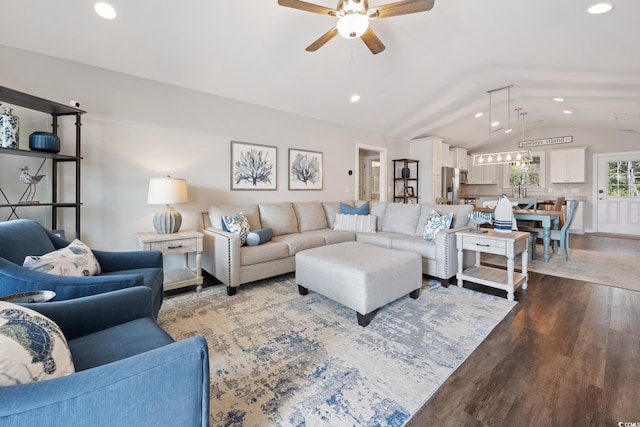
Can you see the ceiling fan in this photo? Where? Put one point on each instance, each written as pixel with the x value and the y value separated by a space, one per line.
pixel 353 18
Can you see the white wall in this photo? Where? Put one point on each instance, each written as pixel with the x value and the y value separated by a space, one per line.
pixel 136 129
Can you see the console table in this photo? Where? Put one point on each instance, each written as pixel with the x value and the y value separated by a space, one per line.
pixel 182 242
pixel 492 242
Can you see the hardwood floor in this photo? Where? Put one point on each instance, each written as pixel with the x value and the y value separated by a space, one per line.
pixel 567 355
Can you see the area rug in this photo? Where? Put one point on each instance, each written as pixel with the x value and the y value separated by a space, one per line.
pixel 589 266
pixel 281 359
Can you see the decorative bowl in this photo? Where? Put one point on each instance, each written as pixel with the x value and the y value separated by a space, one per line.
pixel 44 141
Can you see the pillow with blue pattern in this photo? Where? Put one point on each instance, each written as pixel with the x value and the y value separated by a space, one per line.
pixel 238 224
pixel 363 209
pixel 434 223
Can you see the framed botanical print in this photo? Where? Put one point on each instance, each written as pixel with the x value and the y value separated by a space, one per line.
pixel 253 166
pixel 305 170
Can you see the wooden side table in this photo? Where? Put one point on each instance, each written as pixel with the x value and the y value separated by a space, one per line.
pixel 491 242
pixel 182 242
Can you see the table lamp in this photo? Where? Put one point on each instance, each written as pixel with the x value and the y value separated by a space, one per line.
pixel 165 191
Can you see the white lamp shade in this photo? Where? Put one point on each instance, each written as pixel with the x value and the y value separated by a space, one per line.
pixel 352 25
pixel 166 191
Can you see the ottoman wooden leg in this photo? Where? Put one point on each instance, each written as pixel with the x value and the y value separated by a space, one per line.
pixel 302 290
pixel 364 319
pixel 415 294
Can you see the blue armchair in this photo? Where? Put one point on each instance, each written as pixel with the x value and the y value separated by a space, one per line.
pixel 21 238
pixel 128 370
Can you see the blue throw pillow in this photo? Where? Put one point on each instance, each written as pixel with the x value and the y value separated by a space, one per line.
pixel 361 210
pixel 260 236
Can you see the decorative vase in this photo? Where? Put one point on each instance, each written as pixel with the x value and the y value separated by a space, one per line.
pixel 9 129
pixel 406 172
pixel 44 141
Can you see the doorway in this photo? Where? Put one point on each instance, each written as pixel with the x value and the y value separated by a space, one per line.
pixel 371 173
pixel 617 193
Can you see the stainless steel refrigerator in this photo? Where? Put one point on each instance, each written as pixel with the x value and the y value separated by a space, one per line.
pixel 451 180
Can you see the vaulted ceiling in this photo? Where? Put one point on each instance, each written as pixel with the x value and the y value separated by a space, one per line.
pixel 432 78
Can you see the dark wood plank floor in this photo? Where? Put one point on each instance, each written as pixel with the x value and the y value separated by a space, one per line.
pixel 567 355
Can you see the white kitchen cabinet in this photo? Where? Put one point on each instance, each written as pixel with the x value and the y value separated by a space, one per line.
pixel 481 174
pixel 461 157
pixel 568 165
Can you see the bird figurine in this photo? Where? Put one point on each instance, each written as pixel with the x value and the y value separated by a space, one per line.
pixel 31 181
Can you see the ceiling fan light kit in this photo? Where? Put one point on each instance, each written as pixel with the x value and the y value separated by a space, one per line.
pixel 354 16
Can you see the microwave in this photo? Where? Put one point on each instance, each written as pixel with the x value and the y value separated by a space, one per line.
pixel 463 174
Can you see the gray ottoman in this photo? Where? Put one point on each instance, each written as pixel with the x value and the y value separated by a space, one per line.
pixel 360 276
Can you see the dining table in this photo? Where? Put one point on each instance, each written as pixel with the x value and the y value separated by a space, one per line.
pixel 550 220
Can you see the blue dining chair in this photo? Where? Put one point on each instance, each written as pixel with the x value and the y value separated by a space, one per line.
pixel 562 236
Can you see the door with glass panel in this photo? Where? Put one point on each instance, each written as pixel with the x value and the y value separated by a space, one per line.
pixel 618 193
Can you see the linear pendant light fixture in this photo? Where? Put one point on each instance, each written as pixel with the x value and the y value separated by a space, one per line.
pixel 518 156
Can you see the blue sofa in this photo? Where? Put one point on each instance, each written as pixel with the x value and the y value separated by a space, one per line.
pixel 129 372
pixel 23 237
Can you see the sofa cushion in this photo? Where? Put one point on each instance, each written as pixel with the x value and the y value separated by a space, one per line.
pixel 32 347
pixel 331 209
pixel 378 209
pixel 383 239
pixel 362 209
pixel 258 237
pixel 460 215
pixel 297 242
pixel 251 212
pixel 435 223
pixel 332 237
pixel 270 251
pixel 238 224
pixel 355 223
pixel 417 245
pixel 74 260
pixel 117 343
pixel 280 217
pixel 310 216
pixel 401 218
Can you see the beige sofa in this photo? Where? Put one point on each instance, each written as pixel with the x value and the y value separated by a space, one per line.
pixel 303 225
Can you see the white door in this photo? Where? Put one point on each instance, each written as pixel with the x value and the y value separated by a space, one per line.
pixel 618 197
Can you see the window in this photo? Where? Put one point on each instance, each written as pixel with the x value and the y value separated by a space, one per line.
pixel 624 179
pixel 531 178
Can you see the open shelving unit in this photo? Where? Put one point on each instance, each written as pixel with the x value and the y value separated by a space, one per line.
pixel 406 186
pixel 56 110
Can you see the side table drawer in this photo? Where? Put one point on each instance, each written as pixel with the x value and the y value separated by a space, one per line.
pixel 176 246
pixel 483 244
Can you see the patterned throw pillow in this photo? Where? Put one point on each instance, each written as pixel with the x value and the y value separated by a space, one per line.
pixel 237 224
pixel 355 223
pixel 32 347
pixel 434 223
pixel 74 260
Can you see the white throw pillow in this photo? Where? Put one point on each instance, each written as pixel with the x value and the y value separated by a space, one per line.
pixel 237 224
pixel 355 223
pixel 435 223
pixel 32 347
pixel 74 260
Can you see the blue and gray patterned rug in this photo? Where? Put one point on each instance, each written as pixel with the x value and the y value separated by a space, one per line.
pixel 281 359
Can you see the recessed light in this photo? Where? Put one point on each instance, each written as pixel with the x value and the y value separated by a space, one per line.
pixel 355 98
pixel 105 10
pixel 478 115
pixel 600 8
pixel 558 99
pixel 568 112
pixel 494 124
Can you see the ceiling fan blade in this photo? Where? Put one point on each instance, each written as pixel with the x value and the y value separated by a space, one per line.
pixel 322 40
pixel 400 8
pixel 372 41
pixel 308 7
